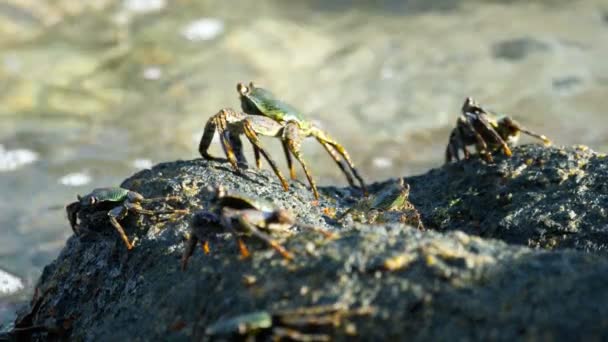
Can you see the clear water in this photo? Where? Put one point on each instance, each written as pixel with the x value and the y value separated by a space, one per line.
pixel 95 92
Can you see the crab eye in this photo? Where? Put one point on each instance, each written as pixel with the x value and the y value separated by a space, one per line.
pixel 251 85
pixel 242 89
pixel 92 200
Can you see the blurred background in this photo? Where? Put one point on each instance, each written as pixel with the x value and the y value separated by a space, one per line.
pixel 92 91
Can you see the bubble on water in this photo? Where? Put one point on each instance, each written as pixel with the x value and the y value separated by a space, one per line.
pixel 9 283
pixel 152 73
pixel 387 73
pixel 75 179
pixel 142 163
pixel 13 159
pixel 144 6
pixel 382 162
pixel 203 29
pixel 12 63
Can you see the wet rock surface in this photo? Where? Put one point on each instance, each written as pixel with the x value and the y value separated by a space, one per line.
pixel 442 283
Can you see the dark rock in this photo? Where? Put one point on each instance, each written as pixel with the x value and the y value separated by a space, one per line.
pixel 423 285
pixel 518 48
pixel 567 85
pixel 541 197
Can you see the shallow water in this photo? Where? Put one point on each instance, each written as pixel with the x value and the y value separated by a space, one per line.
pixel 95 92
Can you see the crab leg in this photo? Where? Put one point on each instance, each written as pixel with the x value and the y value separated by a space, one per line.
pixel 545 140
pixel 334 155
pixel 325 233
pixel 458 141
pixel 281 333
pixel 235 141
pixel 116 214
pixel 136 208
pixel 485 125
pixel 293 139
pixel 454 144
pixel 492 132
pixel 188 250
pixel 515 126
pixel 451 152
pixel 292 169
pixel 233 148
pixel 245 224
pixel 219 122
pixel 242 247
pixel 163 199
pixel 481 143
pixel 227 223
pixel 207 138
pixel 463 145
pixel 325 138
pixel 256 155
pixel 222 120
pixel 251 134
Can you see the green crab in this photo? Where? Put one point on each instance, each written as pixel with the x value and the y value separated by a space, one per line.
pixel 476 126
pixel 264 114
pixel 288 324
pixel 390 204
pixel 118 202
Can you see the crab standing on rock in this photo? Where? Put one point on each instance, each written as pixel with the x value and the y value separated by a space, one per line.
pixel 292 325
pixel 267 115
pixel 118 202
pixel 478 127
pixel 240 214
pixel 390 204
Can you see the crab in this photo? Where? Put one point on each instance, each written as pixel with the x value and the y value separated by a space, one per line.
pixel 479 127
pixel 266 115
pixel 288 324
pixel 390 204
pixel 241 214
pixel 118 202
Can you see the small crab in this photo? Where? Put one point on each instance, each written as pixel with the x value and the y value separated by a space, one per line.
pixel 240 214
pixel 119 202
pixel 267 115
pixel 288 324
pixel 479 127
pixel 390 204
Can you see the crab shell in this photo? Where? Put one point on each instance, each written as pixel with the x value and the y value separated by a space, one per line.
pixel 259 101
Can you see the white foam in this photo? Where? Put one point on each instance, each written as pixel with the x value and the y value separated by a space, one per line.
pixel 203 29
pixel 75 179
pixel 13 159
pixel 152 73
pixel 142 163
pixel 144 6
pixel 9 283
pixel 382 162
